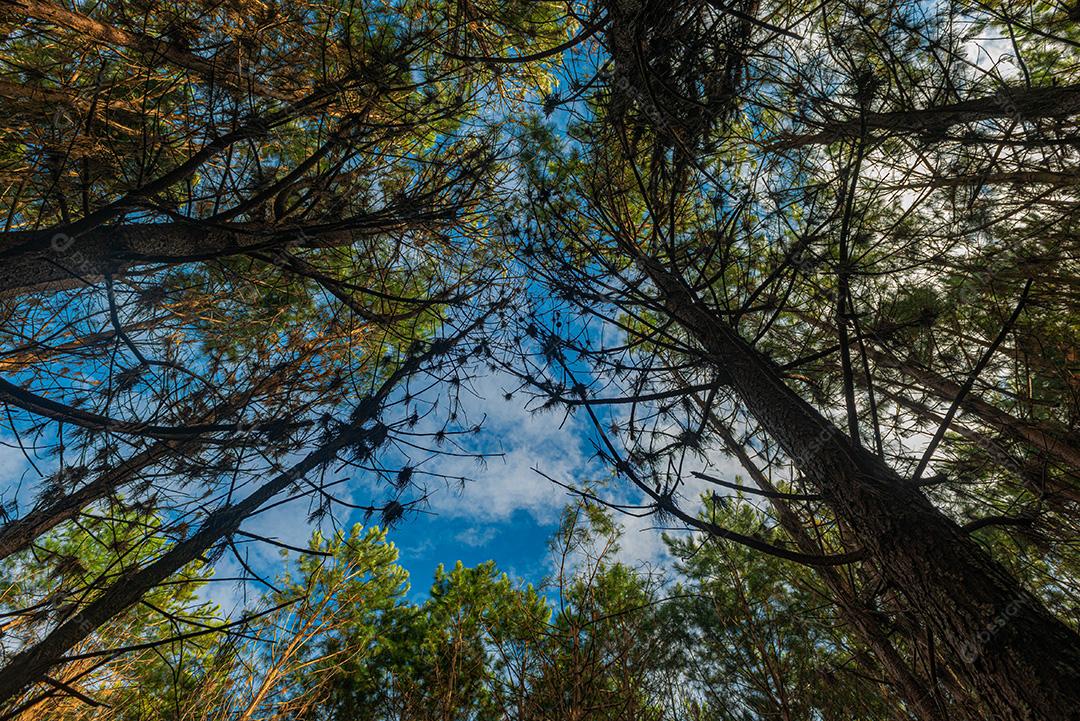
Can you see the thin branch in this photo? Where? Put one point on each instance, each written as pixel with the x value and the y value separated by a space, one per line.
pixel 970 382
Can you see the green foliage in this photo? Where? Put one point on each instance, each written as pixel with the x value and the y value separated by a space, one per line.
pixel 151 683
pixel 764 643
pixel 855 192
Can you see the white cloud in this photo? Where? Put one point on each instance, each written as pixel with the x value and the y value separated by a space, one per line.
pixel 18 480
pixel 642 542
pixel 477 536
pixel 12 462
pixel 507 482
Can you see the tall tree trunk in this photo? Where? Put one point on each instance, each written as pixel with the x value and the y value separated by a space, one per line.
pixel 1019 660
pixel 917 695
pixel 1010 103
pixel 56 261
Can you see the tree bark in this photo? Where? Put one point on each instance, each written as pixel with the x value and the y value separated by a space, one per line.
pixel 1011 103
pixel 1005 177
pixel 17 535
pixel 914 691
pixel 1019 660
pixel 55 261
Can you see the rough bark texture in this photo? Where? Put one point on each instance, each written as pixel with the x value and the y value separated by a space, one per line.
pixel 57 262
pixel 1018 660
pixel 917 695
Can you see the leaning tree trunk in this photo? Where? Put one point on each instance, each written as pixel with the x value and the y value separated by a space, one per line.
pixel 1019 660
pixel 920 698
pixel 1010 103
pixel 54 261
pixel 33 664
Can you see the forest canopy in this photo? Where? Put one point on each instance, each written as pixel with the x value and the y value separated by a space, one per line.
pixel 268 254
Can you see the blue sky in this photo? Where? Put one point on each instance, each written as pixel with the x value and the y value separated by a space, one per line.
pixel 506 512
